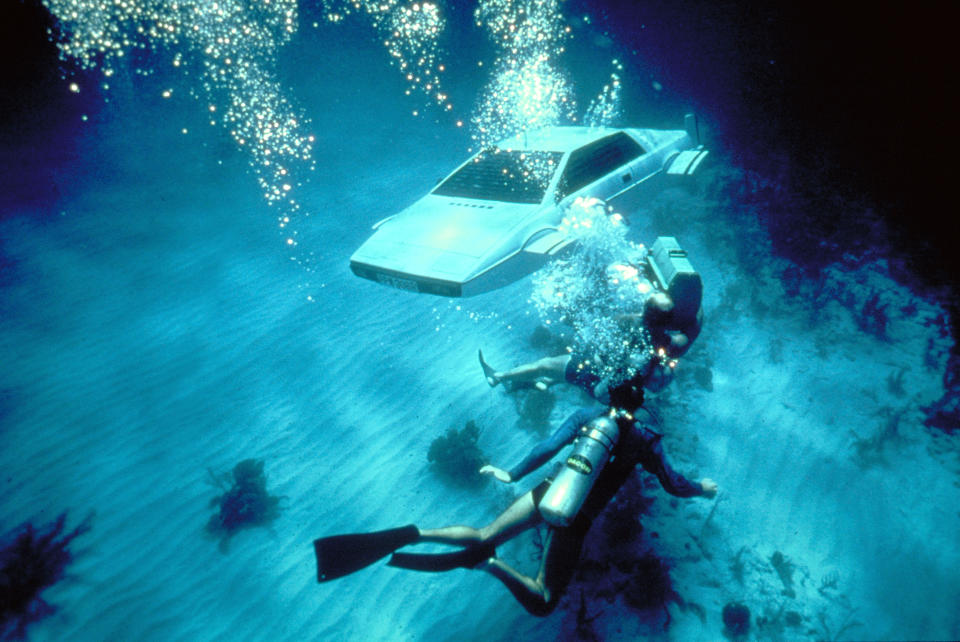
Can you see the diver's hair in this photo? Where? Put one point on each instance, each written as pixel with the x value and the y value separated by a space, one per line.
pixel 627 395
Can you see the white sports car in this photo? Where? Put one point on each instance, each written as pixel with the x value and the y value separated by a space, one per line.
pixel 497 217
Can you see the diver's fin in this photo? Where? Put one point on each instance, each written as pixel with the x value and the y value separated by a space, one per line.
pixel 341 555
pixel 470 557
pixel 488 371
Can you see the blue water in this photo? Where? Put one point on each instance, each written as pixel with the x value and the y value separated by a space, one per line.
pixel 155 324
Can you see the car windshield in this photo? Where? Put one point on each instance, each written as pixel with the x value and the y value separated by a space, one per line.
pixel 503 175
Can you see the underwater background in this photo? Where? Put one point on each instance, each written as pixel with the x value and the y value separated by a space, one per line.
pixel 183 185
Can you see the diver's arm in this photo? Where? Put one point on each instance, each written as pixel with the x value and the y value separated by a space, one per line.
pixel 655 461
pixel 546 449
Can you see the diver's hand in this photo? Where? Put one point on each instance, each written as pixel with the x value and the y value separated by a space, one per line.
pixel 499 473
pixel 709 488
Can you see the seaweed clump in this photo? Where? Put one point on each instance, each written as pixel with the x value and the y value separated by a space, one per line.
pixel 31 561
pixel 456 456
pixel 245 502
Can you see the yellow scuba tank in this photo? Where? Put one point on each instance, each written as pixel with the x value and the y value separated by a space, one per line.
pixel 591 451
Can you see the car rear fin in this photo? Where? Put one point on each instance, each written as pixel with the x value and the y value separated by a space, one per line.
pixel 686 162
pixel 693 128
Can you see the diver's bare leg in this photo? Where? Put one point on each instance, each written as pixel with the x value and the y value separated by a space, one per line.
pixel 548 370
pixel 521 515
pixel 522 586
pixel 532 593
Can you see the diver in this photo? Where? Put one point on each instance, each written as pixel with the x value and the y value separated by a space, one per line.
pixel 608 445
pixel 669 322
pixel 670 339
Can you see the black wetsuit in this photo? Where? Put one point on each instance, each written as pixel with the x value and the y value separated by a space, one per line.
pixel 638 444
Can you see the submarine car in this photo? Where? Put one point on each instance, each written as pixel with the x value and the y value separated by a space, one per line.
pixel 497 217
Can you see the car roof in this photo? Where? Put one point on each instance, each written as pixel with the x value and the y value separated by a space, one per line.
pixel 556 139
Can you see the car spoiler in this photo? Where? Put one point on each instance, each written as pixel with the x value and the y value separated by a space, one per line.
pixel 687 162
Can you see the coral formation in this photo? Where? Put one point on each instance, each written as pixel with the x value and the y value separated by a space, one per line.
pixel 584 631
pixel 244 503
pixel 625 567
pixel 620 522
pixel 869 451
pixel 944 414
pixel 793 619
pixel 534 407
pixel 773 624
pixel 831 633
pixel 549 341
pixel 873 317
pixel 456 456
pixel 895 382
pixel 703 375
pixel 649 585
pixel 784 568
pixel 738 565
pixel 829 582
pixel 736 619
pixel 802 610
pixel 32 560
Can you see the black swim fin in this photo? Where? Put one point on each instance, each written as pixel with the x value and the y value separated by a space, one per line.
pixel 470 557
pixel 340 555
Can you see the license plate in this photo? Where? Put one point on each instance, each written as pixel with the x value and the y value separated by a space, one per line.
pixel 397 282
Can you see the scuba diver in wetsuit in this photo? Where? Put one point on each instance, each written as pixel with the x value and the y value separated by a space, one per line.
pixel 670 339
pixel 634 441
pixel 669 321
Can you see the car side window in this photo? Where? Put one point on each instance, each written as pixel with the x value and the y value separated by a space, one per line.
pixel 592 162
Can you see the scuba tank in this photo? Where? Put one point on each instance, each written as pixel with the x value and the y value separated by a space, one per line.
pixel 591 452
